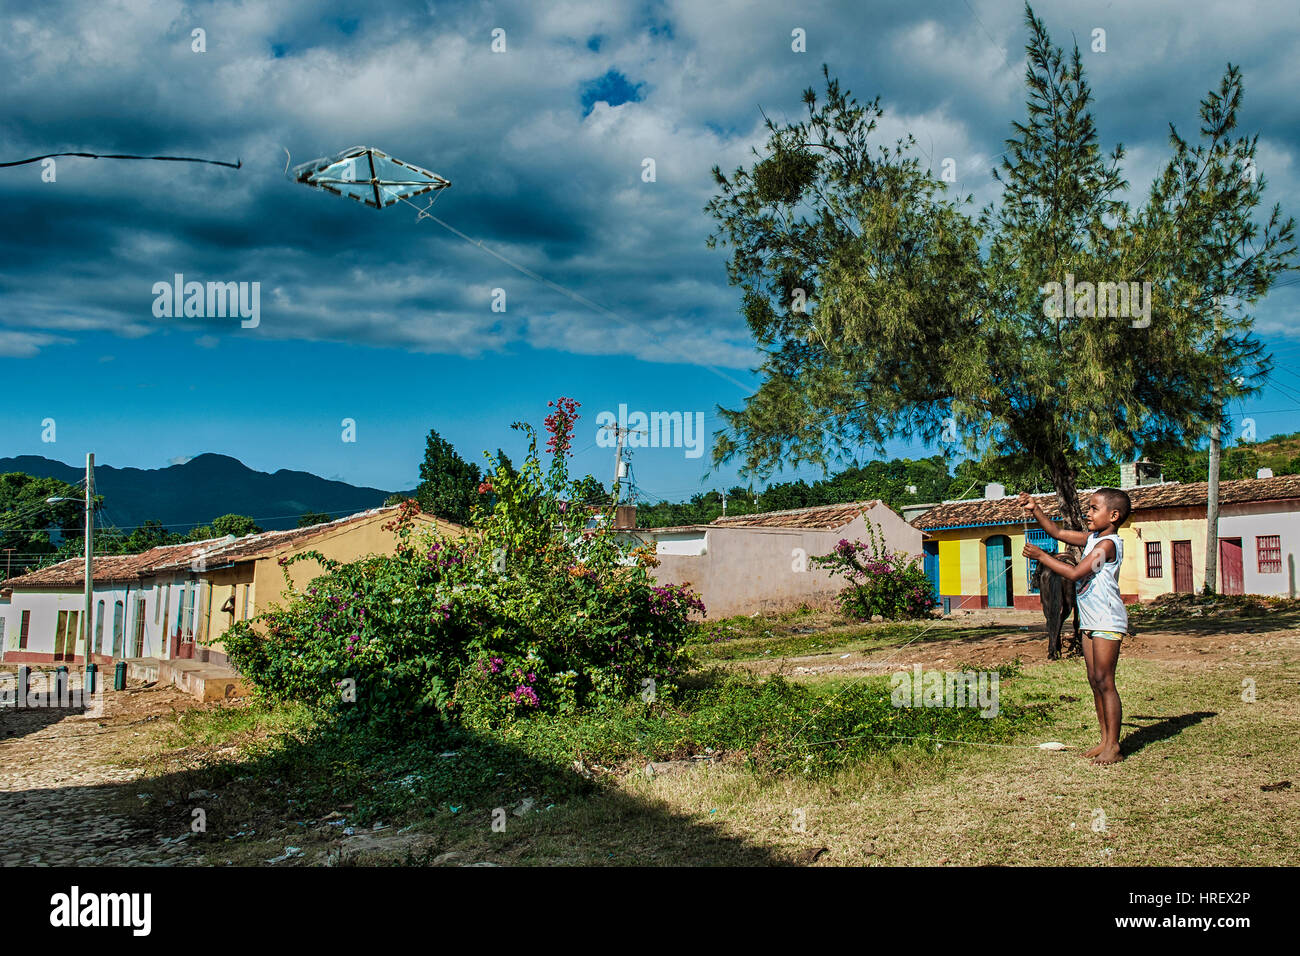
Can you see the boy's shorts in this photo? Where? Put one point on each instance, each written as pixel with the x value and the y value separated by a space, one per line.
pixel 1108 635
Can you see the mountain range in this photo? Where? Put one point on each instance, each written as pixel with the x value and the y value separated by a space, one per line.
pixel 206 487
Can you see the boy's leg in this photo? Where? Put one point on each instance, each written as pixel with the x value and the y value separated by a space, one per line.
pixel 1105 654
pixel 1096 695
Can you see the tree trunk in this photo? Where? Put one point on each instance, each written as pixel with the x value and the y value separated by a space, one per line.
pixel 1067 493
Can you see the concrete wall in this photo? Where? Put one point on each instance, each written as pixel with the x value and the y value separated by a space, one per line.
pixel 1248 521
pixel 743 570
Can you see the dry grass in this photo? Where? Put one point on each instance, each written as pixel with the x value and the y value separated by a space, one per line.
pixel 1188 793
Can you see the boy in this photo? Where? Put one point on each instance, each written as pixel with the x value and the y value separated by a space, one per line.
pixel 1103 621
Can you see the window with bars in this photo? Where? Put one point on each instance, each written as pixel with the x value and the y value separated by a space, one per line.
pixel 1155 560
pixel 1268 549
pixel 1045 541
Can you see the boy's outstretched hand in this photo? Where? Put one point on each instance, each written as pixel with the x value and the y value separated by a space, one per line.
pixel 1032 551
pixel 1027 503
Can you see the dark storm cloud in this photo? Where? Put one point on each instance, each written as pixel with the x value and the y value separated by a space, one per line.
pixel 544 171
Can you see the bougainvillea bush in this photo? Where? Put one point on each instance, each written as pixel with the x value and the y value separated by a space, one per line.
pixel 534 612
pixel 881 581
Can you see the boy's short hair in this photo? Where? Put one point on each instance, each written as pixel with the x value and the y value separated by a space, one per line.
pixel 1117 500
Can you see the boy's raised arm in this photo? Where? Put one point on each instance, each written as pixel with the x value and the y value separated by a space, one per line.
pixel 1030 507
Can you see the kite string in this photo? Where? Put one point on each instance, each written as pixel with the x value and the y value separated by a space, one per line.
pixel 425 214
pixel 167 159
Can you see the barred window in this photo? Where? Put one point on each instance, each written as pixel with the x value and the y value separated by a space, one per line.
pixel 1155 560
pixel 1269 551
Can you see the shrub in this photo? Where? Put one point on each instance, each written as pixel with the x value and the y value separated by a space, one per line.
pixel 534 613
pixel 881 581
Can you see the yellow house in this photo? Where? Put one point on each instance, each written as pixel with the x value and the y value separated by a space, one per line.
pixel 238 578
pixel 973 547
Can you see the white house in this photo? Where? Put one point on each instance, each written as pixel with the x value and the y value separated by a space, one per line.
pixel 133 609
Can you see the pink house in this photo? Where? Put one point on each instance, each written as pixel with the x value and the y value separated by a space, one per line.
pixel 746 563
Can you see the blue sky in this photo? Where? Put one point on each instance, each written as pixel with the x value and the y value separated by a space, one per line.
pixel 372 316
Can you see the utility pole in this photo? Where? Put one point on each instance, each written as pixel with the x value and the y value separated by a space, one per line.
pixel 9 561
pixel 90 545
pixel 620 472
pixel 1212 490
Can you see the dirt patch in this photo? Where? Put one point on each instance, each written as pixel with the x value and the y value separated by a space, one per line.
pixel 989 639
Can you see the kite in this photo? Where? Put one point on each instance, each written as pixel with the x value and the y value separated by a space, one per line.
pixel 370 176
pixel 166 159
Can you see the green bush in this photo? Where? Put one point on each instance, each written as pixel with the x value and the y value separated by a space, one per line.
pixel 881 581
pixel 534 613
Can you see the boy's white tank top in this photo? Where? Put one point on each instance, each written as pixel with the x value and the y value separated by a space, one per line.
pixel 1100 606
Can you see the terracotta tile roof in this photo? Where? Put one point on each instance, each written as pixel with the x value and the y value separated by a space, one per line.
pixel 823 517
pixel 254 546
pixel 214 552
pixel 112 568
pixel 957 514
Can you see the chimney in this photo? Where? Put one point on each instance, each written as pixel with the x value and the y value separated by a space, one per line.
pixel 1134 474
pixel 994 491
pixel 1264 473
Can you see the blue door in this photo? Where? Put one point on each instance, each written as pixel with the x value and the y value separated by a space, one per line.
pixel 998 569
pixel 932 565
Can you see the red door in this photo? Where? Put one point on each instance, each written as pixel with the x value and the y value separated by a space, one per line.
pixel 1182 567
pixel 1231 580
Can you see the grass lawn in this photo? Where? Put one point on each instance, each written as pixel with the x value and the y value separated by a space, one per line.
pixel 744 776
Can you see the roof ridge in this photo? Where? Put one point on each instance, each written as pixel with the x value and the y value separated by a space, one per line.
pixel 870 503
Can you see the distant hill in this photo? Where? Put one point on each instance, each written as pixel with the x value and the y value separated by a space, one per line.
pixel 206 487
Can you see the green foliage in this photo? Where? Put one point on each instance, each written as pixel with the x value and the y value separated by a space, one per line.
pixel 315 517
pixel 881 581
pixel 923 321
pixel 534 613
pixel 238 525
pixel 448 483
pixel 28 525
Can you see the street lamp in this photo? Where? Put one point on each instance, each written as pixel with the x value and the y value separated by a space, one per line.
pixel 88 504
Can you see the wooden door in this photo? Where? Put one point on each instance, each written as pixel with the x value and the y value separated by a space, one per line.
pixel 66 635
pixel 60 629
pixel 1182 567
pixel 931 549
pixel 1231 578
pixel 997 568
pixel 139 628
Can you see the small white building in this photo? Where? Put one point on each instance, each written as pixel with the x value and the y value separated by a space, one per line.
pixel 133 610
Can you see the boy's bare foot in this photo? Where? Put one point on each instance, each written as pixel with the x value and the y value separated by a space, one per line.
pixel 1094 751
pixel 1108 755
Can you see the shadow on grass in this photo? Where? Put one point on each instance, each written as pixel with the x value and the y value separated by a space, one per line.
pixel 1247 621
pixel 1165 728
pixel 449 787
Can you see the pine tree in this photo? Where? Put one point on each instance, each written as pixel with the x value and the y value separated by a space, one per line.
pixel 448 483
pixel 887 311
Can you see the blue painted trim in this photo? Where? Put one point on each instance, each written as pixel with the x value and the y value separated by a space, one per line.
pixel 982 524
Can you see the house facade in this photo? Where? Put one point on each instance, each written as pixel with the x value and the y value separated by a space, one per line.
pixel 744 564
pixel 169 601
pixel 974 547
pixel 129 613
